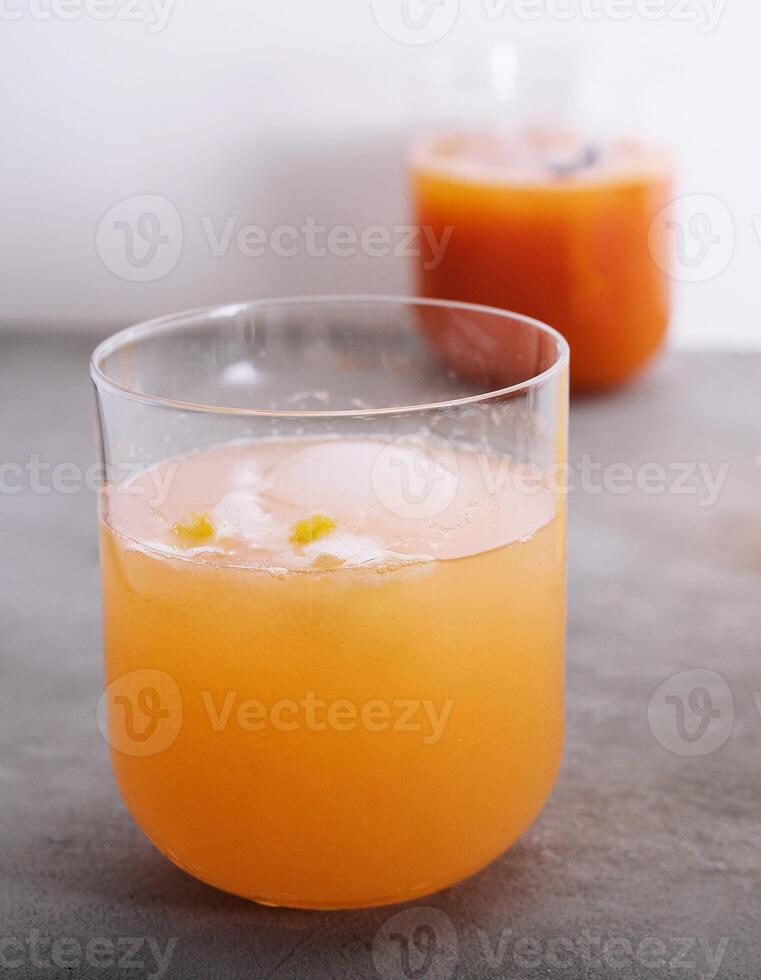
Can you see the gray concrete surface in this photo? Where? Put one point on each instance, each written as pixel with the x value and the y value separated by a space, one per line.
pixel 646 862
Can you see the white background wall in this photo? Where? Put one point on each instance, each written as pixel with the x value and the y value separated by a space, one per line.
pixel 273 111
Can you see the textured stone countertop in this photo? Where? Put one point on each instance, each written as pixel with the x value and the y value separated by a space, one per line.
pixel 645 863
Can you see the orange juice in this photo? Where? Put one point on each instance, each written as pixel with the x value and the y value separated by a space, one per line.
pixel 325 689
pixel 545 225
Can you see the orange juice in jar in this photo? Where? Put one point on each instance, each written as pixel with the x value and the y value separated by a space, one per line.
pixel 334 596
pixel 540 174
pixel 557 227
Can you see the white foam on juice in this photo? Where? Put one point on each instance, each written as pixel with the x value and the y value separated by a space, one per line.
pixel 393 503
pixel 539 158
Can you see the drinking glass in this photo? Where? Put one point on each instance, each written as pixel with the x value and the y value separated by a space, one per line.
pixel 334 591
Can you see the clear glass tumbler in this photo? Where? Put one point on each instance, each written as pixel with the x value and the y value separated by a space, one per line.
pixel 334 592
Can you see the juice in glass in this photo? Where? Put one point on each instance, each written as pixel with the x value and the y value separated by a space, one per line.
pixel 334 648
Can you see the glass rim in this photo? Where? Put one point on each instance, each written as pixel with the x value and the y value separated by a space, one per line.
pixel 145 328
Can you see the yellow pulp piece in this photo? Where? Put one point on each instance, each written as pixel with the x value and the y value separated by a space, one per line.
pixel 312 528
pixel 198 527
